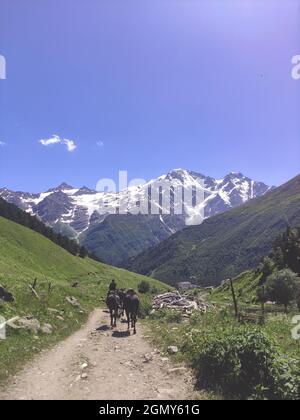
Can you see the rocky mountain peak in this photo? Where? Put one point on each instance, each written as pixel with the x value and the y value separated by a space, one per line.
pixel 78 208
pixel 62 187
pixel 85 190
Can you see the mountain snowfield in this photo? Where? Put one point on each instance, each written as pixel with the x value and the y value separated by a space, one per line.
pixel 97 219
pixel 79 208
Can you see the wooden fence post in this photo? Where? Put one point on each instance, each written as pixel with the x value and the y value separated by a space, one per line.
pixel 234 298
pixel 263 312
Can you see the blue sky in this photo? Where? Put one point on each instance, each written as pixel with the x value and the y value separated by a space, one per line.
pixel 148 86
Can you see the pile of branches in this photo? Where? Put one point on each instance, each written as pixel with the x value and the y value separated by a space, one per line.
pixel 185 303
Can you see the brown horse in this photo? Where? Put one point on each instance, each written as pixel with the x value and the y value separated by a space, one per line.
pixel 131 306
pixel 122 294
pixel 113 304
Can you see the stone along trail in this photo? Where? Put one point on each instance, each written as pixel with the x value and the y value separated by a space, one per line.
pixel 97 363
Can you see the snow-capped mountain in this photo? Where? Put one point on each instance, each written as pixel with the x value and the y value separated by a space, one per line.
pixel 100 220
pixel 77 209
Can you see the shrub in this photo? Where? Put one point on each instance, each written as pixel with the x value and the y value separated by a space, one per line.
pixel 154 290
pixel 144 287
pixel 282 287
pixel 246 364
pixel 265 268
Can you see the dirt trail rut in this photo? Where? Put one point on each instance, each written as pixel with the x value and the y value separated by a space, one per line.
pixel 118 367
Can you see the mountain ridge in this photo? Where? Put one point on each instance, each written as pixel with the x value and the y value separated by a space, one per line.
pixel 84 214
pixel 226 244
pixel 233 189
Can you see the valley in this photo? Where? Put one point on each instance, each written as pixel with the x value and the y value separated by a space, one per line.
pixel 226 244
pixel 90 216
pixel 149 203
pixel 56 296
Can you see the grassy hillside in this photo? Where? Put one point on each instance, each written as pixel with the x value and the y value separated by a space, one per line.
pixel 26 255
pixel 15 214
pixel 245 286
pixel 224 245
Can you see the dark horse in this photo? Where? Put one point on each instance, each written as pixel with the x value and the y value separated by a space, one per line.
pixel 122 295
pixel 131 306
pixel 113 304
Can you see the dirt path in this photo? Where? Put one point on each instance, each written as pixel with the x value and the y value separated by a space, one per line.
pixel 118 367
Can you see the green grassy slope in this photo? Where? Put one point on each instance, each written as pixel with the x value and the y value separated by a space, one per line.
pixel 24 256
pixel 245 286
pixel 224 245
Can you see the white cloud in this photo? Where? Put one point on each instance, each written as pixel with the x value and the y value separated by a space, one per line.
pixel 52 140
pixel 2 144
pixel 70 144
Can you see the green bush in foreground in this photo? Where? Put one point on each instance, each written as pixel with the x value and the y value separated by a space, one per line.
pixel 245 364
